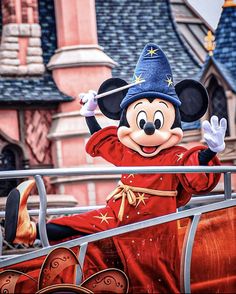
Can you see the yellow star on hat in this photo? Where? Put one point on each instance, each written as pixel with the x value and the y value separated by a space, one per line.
pixel 137 79
pixel 169 81
pixel 151 52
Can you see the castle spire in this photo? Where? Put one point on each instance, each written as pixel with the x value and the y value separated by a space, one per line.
pixel 209 43
pixel 229 3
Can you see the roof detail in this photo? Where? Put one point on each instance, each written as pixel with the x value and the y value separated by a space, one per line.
pixel 226 74
pixel 125 27
pixel 229 3
pixel 224 56
pixel 38 89
pixel 41 90
pixel 192 26
pixel 225 51
pixel 210 44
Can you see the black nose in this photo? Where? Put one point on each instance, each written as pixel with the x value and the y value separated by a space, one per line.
pixel 149 128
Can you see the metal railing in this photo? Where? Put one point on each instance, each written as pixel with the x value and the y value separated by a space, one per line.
pixel 222 201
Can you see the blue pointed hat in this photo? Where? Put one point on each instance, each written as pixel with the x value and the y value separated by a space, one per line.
pixel 154 68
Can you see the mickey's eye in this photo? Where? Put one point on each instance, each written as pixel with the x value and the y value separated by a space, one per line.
pixel 141 119
pixel 158 119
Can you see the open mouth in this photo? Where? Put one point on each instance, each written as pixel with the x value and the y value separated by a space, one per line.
pixel 148 149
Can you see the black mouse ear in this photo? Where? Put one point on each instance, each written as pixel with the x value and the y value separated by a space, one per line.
pixel 110 104
pixel 194 99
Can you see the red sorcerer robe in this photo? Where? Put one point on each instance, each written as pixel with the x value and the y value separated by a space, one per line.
pixel 149 257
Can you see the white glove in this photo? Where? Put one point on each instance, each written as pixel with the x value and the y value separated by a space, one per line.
pixel 89 103
pixel 214 133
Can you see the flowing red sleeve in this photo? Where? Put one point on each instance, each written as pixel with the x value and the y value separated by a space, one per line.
pixel 198 183
pixel 106 144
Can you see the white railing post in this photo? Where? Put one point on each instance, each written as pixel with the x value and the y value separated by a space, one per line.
pixel 186 258
pixel 227 185
pixel 82 253
pixel 42 210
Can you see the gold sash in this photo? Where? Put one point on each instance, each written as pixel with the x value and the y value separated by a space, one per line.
pixel 126 191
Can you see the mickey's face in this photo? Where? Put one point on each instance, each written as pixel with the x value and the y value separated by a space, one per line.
pixel 150 127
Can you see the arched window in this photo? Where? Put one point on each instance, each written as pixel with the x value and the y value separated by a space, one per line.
pixel 10 159
pixel 217 102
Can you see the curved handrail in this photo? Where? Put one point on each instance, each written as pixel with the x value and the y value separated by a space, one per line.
pixel 116 170
pixel 83 241
pixel 123 229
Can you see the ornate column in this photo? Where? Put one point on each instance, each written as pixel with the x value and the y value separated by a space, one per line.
pixel 78 56
pixel 79 64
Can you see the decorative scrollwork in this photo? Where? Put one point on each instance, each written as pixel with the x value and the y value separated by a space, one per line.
pixel 4 288
pixel 56 262
pixel 46 276
pixel 107 281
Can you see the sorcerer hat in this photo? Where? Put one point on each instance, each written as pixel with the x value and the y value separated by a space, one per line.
pixel 188 95
pixel 153 67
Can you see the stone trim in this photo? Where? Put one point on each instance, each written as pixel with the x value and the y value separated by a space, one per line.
pixel 72 124
pixel 10 49
pixel 230 150
pixel 82 55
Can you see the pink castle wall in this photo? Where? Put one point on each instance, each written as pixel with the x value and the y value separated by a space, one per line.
pixel 76 22
pixel 73 81
pixel 9 123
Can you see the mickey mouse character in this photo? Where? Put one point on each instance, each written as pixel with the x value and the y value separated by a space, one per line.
pixel 150 115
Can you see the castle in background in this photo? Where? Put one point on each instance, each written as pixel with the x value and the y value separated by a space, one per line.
pixel 52 50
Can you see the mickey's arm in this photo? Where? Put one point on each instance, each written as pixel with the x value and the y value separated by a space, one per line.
pixel 88 109
pixel 205 156
pixel 198 183
pixel 92 124
pixel 214 134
